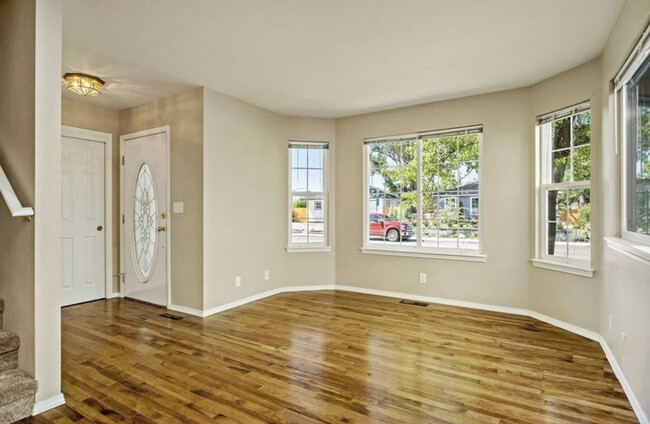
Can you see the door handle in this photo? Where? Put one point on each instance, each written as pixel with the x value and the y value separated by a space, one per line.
pixel 99 228
pixel 162 228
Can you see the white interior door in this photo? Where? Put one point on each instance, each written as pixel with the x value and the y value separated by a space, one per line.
pixel 144 211
pixel 82 221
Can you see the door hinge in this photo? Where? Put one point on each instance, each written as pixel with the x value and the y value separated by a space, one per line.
pixel 122 218
pixel 122 160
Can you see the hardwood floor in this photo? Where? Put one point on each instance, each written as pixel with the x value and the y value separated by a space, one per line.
pixel 325 357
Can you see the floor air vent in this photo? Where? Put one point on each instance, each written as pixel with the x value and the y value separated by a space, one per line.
pixel 413 302
pixel 171 316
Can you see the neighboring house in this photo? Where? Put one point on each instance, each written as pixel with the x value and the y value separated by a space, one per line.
pixel 463 199
pixel 312 210
pixel 381 202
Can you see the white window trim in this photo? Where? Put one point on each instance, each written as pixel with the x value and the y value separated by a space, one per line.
pixel 471 255
pixel 309 247
pixel 448 254
pixel 563 267
pixel 639 252
pixel 542 165
pixel 630 243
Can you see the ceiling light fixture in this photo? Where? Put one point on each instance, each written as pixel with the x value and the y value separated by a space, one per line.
pixel 83 84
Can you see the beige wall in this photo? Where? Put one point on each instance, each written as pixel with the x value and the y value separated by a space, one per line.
pixel 300 266
pixel 17 157
pixel 568 297
pixel 30 39
pixel 505 198
pixel 244 177
pixel 184 114
pixel 82 114
pixel 624 282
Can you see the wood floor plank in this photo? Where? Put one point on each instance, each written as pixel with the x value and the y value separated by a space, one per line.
pixel 325 357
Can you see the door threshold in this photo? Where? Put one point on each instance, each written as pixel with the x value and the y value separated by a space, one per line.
pixel 144 302
pixel 84 302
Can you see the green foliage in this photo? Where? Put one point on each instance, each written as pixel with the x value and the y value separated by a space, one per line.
pixel 300 203
pixel 446 164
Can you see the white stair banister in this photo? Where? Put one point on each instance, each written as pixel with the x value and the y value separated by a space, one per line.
pixel 14 205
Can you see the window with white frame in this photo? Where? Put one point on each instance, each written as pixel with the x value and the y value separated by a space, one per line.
pixel 633 94
pixel 564 195
pixel 308 194
pixel 423 192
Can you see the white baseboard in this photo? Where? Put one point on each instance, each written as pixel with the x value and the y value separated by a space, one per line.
pixel 47 404
pixel 439 300
pixel 618 371
pixel 566 326
pixel 259 296
pixel 186 310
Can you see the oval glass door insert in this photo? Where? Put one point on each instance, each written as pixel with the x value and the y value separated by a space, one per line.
pixel 144 223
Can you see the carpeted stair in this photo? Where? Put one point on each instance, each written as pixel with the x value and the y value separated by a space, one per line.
pixel 17 388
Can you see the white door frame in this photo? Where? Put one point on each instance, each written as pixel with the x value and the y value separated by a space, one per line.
pixel 159 130
pixel 107 139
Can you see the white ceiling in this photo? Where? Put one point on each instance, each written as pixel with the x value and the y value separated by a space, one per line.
pixel 328 58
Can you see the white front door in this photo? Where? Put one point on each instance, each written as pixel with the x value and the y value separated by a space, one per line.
pixel 144 211
pixel 83 275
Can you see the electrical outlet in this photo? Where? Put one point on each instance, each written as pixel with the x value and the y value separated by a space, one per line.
pixel 237 281
pixel 611 319
pixel 267 275
pixel 623 342
pixel 423 278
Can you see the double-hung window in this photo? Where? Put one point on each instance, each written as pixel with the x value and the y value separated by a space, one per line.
pixel 564 189
pixel 308 198
pixel 633 86
pixel 423 193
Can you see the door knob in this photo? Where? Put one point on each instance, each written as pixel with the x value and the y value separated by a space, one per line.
pixel 99 228
pixel 162 229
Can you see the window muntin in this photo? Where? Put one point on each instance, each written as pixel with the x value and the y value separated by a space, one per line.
pixel 422 186
pixel 308 194
pixel 565 195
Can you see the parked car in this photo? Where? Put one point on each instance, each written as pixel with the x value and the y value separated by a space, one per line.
pixel 383 226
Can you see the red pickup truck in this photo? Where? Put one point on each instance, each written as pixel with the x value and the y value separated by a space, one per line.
pixel 382 226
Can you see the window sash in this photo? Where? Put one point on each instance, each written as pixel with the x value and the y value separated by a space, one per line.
pixel 546 184
pixel 639 66
pixel 293 146
pixel 419 138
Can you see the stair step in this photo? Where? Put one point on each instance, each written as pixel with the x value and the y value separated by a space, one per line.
pixel 16 411
pixel 8 341
pixel 16 385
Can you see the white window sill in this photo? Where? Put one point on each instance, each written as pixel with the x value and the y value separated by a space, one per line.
pixel 566 268
pixel 635 250
pixel 452 256
pixel 308 249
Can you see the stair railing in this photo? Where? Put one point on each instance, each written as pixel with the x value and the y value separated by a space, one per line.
pixel 14 205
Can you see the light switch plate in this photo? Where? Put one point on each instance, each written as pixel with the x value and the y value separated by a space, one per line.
pixel 178 207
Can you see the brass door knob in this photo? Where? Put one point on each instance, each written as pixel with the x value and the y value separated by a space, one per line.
pixel 99 228
pixel 162 229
